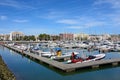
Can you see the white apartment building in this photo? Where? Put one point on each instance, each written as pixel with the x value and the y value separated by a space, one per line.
pixel 16 36
pixel 80 36
pixel 4 37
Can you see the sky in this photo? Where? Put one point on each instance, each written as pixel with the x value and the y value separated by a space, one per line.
pixel 34 17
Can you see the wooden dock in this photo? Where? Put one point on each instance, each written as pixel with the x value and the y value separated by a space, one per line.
pixel 68 67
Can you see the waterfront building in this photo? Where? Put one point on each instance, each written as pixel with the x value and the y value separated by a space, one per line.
pixel 66 36
pixel 99 37
pixel 81 36
pixel 4 37
pixel 14 36
pixel 115 37
pixel 106 36
pixel 1 37
pixel 95 37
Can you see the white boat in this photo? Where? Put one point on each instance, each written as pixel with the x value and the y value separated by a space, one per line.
pixel 88 59
pixel 65 55
pixel 117 48
pixel 97 57
pixel 23 47
pixel 47 54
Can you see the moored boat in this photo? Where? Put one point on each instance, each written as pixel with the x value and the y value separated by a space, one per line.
pixel 65 55
pixel 88 59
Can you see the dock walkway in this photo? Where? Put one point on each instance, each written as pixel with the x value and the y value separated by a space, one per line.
pixel 67 67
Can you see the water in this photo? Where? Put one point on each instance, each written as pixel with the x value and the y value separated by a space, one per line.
pixel 26 69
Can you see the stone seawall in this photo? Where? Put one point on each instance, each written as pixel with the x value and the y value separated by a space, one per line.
pixel 5 73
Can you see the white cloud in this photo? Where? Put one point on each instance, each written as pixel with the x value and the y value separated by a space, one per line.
pixel 74 27
pixel 53 14
pixel 38 30
pixel 10 3
pixel 20 21
pixel 14 4
pixel 84 25
pixel 113 3
pixel 111 18
pixel 3 17
pixel 67 21
pixel 94 24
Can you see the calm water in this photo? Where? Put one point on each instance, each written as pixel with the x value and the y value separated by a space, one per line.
pixel 26 69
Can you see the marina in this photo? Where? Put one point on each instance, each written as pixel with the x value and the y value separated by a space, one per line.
pixel 59 39
pixel 26 68
pixel 68 67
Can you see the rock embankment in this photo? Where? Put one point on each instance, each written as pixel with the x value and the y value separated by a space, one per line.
pixel 5 73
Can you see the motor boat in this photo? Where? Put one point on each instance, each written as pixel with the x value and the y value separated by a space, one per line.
pixel 88 59
pixel 57 54
pixel 62 56
pixel 47 54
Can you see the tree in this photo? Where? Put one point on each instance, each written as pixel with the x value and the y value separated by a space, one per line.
pixel 55 37
pixel 28 38
pixel 32 38
pixel 44 37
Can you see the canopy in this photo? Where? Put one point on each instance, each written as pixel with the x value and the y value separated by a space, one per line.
pixel 58 49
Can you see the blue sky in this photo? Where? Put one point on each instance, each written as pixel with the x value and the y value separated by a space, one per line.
pixel 60 16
